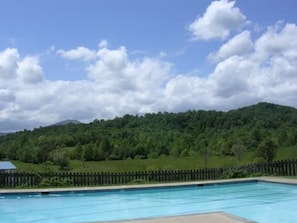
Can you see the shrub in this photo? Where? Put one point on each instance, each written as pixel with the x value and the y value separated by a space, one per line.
pixel 237 173
pixel 55 182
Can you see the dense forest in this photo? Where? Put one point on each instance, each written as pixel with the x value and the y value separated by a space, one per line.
pixel 261 128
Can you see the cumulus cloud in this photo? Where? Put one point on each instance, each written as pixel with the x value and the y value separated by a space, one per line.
pixel 238 45
pixel 220 18
pixel 132 85
pixel 103 43
pixel 230 77
pixel 80 53
pixel 6 97
pixel 115 72
pixel 245 73
pixel 18 75
pixel 29 70
pixel 15 69
pixel 277 48
pixel 8 63
pixel 279 39
pixel 114 85
pixel 109 65
pixel 187 92
pixel 248 72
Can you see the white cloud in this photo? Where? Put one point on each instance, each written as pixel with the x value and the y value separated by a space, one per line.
pixel 277 40
pixel 246 73
pixel 8 63
pixel 109 65
pixel 231 77
pixel 220 18
pixel 117 85
pixel 277 48
pixel 80 53
pixel 273 76
pixel 6 97
pixel 18 76
pixel 29 70
pixel 187 92
pixel 103 44
pixel 116 72
pixel 238 45
pixel 15 70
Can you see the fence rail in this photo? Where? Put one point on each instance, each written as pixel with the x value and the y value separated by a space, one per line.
pixel 19 179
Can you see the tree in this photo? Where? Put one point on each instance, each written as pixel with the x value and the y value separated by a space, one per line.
pixel 67 140
pixel 43 149
pixel 267 149
pixel 2 154
pixel 61 158
pixel 98 154
pixel 283 137
pixel 78 152
pixel 27 154
pixel 239 150
pixel 205 153
pixel 105 147
pixel 88 153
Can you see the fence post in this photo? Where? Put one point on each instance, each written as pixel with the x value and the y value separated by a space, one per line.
pixel 289 168
pixel 294 164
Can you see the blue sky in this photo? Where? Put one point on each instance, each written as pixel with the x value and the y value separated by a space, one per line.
pixel 106 58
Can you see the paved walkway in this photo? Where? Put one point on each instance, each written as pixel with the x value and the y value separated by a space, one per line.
pixel 215 217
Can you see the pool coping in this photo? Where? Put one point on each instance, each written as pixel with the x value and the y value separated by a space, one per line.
pixel 148 186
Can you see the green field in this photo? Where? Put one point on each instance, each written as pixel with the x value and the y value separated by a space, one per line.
pixel 162 163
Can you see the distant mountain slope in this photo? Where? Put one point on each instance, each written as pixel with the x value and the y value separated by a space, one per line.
pixel 158 134
pixel 66 122
pixel 267 115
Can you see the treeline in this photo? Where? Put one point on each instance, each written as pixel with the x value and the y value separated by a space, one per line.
pixel 260 128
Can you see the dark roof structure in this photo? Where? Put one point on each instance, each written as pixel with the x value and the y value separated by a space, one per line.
pixel 6 165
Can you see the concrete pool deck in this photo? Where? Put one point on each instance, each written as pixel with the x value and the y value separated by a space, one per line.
pixel 214 217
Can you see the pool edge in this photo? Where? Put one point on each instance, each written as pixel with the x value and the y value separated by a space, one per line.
pixel 147 186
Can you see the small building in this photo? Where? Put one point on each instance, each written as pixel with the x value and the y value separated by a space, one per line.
pixel 6 166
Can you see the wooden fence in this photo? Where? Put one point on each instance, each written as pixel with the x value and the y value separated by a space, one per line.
pixel 27 180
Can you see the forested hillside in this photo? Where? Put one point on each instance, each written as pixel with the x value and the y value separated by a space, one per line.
pixel 260 128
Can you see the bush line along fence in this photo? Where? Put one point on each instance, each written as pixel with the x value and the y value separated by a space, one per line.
pixel 19 179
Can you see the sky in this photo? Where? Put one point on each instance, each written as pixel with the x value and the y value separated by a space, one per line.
pixel 101 59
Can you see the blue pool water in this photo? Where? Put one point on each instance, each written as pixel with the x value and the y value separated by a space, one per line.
pixel 257 201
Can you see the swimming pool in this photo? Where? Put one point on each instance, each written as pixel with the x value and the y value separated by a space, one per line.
pixel 258 201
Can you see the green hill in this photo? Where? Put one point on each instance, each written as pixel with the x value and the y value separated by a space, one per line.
pixel 254 129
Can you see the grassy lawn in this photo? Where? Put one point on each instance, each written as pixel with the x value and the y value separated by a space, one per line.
pixel 162 163
pixel 30 167
pixel 287 153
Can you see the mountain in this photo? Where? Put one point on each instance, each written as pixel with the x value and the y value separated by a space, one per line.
pixel 157 134
pixel 66 122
